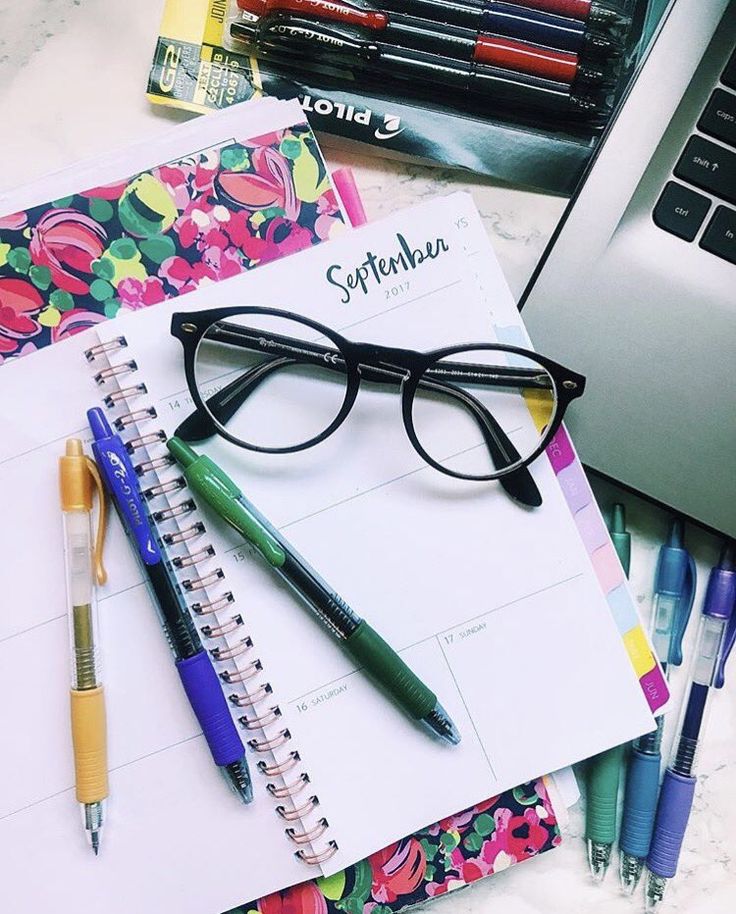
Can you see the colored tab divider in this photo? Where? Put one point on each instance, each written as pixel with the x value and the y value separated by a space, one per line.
pixel 606 565
pixel 579 497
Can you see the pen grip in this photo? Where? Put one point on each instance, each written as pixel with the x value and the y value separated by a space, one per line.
pixel 673 811
pixel 602 780
pixel 89 737
pixel 640 803
pixel 383 664
pixel 210 706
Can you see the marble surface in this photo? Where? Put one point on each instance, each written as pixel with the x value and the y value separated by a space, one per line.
pixel 72 81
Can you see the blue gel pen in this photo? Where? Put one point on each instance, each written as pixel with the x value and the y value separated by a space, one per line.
pixel 193 664
pixel 674 591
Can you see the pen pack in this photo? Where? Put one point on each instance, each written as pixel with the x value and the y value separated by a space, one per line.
pixel 518 91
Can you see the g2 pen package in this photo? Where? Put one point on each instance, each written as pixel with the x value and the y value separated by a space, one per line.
pixel 518 91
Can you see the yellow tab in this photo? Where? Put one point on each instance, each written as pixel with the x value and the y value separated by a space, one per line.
pixel 638 650
pixel 89 735
pixel 541 405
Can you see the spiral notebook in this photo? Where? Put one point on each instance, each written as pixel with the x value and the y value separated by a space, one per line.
pixel 515 618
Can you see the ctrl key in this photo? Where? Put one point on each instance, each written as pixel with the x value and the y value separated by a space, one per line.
pixel 680 211
pixel 720 236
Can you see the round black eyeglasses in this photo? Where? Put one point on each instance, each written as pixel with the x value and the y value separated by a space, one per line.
pixel 277 382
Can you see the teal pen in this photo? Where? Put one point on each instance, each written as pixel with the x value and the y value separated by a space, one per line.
pixel 364 645
pixel 674 592
pixel 603 772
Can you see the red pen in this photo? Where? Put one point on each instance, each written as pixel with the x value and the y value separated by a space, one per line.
pixel 343 11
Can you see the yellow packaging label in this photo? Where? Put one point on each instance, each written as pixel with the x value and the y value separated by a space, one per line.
pixel 191 67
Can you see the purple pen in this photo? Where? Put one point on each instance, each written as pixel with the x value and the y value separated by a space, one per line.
pixel 715 642
pixel 193 664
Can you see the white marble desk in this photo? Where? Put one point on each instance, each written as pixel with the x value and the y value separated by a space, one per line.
pixel 72 81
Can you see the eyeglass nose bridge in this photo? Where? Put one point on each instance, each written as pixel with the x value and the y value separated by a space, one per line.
pixel 386 359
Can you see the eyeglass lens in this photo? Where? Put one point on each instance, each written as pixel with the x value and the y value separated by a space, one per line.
pixel 269 381
pixel 483 411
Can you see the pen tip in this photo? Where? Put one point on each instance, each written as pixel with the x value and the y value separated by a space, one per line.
pixel 95 842
pixel 654 892
pixel 618 518
pixel 677 534
pixel 440 723
pixel 599 856
pixel 238 776
pixel 630 870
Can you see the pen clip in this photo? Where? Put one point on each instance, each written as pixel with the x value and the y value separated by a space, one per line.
pixel 100 573
pixel 729 638
pixel 316 34
pixel 684 610
pixel 117 471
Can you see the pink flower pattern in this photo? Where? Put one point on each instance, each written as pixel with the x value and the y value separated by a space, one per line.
pixel 141 240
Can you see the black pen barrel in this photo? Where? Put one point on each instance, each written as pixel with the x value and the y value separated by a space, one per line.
pixel 410 32
pixel 177 623
pixel 329 607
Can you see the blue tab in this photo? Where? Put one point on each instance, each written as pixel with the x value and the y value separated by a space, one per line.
pixel 117 471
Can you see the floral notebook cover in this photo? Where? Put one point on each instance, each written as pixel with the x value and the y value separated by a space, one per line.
pixel 69 263
pixel 453 853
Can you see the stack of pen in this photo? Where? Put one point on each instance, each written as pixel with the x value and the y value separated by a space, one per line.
pixel 523 59
pixel 656 809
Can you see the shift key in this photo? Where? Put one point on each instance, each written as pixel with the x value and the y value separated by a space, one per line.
pixel 709 167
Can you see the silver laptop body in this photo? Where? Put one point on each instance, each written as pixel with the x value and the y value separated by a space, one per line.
pixel 624 297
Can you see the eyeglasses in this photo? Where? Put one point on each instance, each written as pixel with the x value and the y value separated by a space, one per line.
pixel 276 382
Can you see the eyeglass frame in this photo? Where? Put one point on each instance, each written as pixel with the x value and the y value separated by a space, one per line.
pixel 190 328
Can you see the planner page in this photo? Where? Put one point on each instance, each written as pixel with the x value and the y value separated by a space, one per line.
pixel 495 606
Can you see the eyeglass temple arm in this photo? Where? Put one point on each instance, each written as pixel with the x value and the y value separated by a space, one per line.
pixel 227 401
pixel 291 347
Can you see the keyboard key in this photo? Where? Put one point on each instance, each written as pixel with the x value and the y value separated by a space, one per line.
pixel 680 211
pixel 729 74
pixel 720 236
pixel 719 117
pixel 709 167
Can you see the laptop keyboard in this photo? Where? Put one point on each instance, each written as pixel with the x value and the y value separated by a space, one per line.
pixel 711 167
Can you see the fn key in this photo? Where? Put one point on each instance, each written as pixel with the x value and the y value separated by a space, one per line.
pixel 680 211
pixel 720 236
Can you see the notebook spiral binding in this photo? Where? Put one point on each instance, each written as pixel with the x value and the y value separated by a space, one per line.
pixel 212 605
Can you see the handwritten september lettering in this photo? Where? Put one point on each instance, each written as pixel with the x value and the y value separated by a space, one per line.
pixel 375 268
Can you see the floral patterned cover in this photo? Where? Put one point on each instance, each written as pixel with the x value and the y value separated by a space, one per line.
pixel 71 263
pixel 448 855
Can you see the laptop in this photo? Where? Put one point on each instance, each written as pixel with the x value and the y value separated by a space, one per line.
pixel 637 288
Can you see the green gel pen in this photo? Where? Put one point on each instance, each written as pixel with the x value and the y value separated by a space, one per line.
pixel 603 772
pixel 366 647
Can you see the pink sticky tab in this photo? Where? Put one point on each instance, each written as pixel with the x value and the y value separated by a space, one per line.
pixel 607 567
pixel 560 451
pixel 655 688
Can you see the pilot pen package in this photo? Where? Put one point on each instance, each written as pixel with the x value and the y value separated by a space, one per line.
pixel 517 91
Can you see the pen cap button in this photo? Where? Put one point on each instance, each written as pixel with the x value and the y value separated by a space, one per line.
pixel 75 483
pixel 98 423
